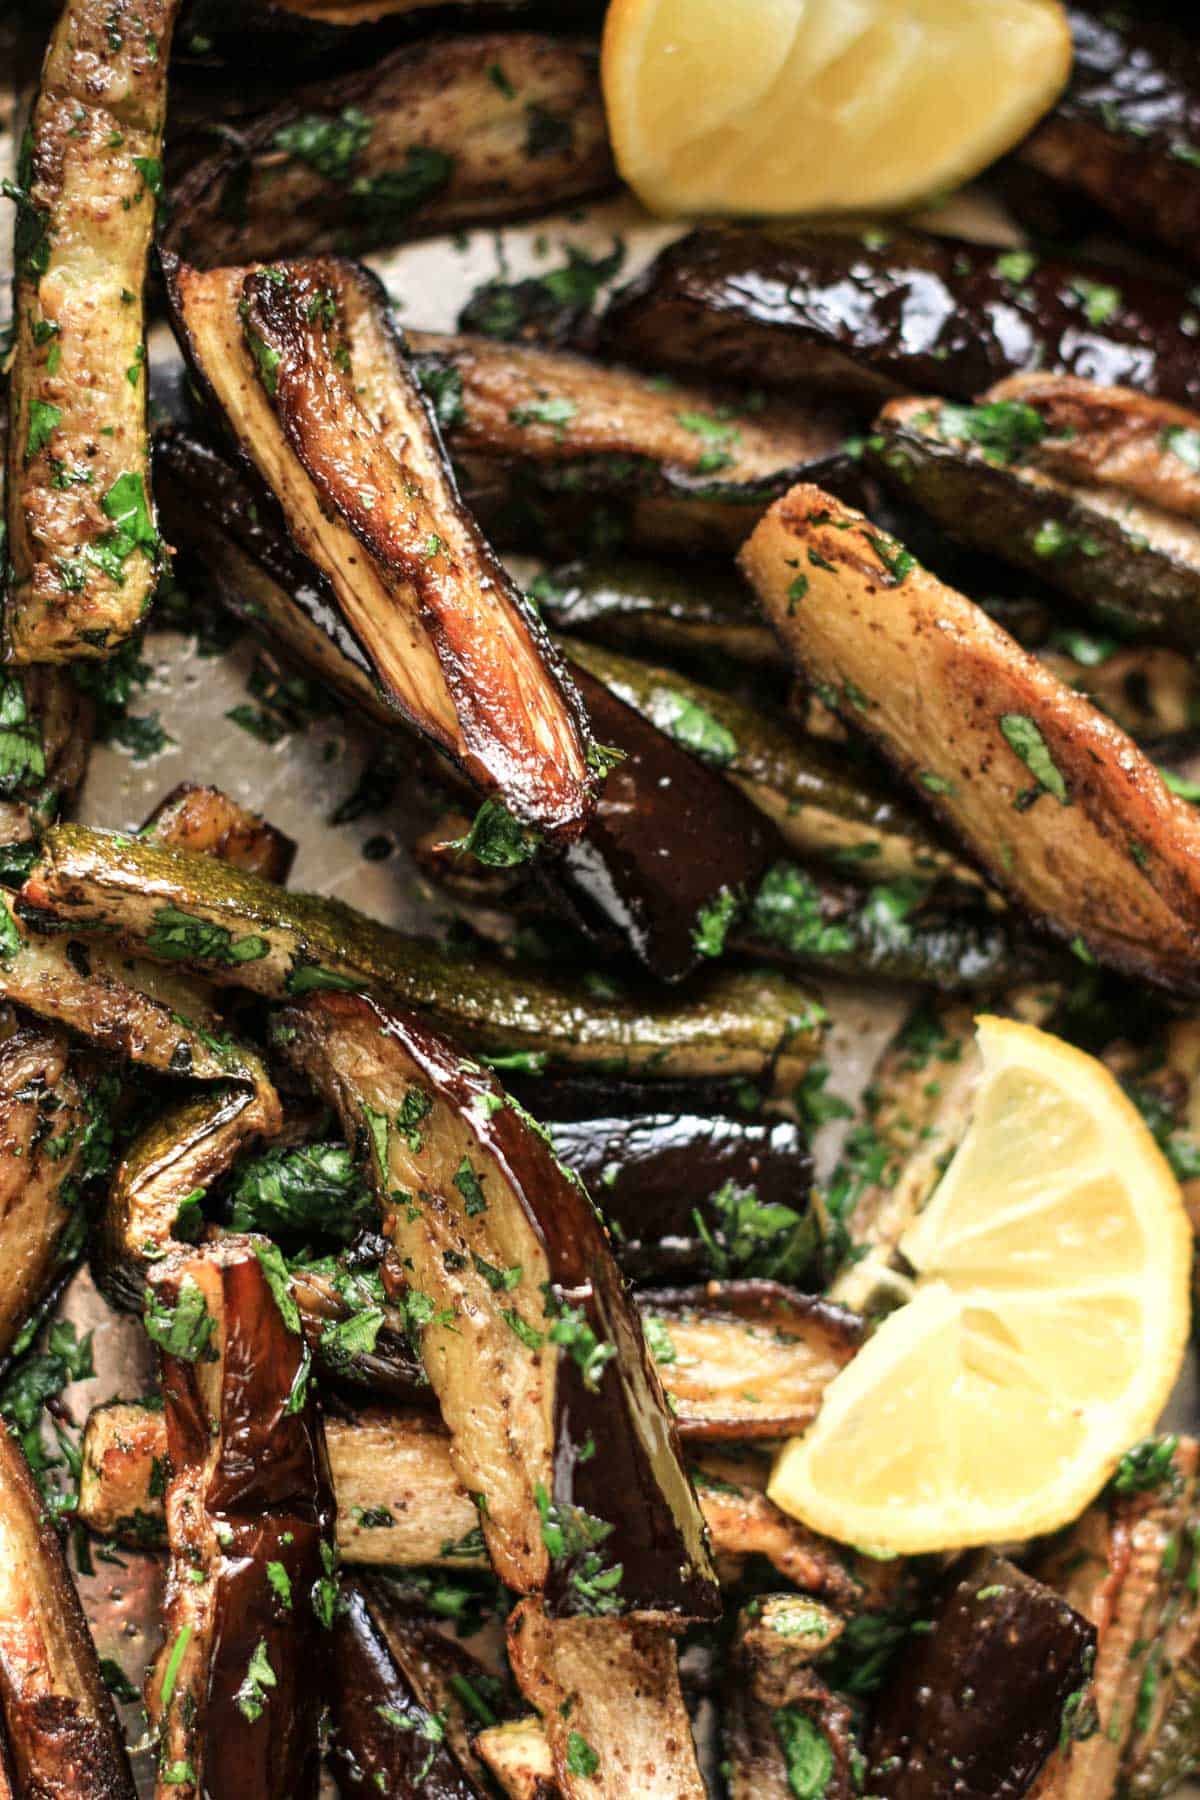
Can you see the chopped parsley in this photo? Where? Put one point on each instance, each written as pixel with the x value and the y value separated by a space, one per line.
pixel 184 1329
pixel 748 1236
pixel 330 145
pixel 181 936
pixel 1002 429
pixel 252 1695
pixel 311 1188
pixel 497 839
pixel 1149 1465
pixel 806 1752
pixel 470 1186
pixel 581 1758
pixel 44 421
pixel 713 922
pixel 1023 736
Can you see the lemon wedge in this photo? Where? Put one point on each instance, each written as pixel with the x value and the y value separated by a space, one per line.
pixel 802 106
pixel 1046 1329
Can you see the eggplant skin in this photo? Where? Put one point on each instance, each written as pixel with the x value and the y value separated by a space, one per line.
pixel 436 135
pixel 1126 134
pixel 248 1501
pixel 1056 803
pixel 58 1718
pixel 976 1707
pixel 866 317
pixel 83 548
pixel 520 1409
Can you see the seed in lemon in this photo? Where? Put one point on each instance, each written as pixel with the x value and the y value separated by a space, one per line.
pixel 1046 1330
pixel 806 106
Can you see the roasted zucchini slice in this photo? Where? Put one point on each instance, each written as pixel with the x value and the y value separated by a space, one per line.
pixel 1056 803
pixel 58 1721
pixel 208 822
pixel 869 315
pixel 248 1506
pixel 433 136
pixel 529 1339
pixel 82 543
pixel 982 473
pixel 241 930
pixel 610 1703
pixel 47 724
pixel 307 372
pixel 690 468
pixel 1025 1658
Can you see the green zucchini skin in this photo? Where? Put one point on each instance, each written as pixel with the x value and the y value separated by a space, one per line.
pixel 1075 540
pixel 243 931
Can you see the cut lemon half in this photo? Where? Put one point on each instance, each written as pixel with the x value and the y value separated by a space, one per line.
pixel 800 106
pixel 1046 1329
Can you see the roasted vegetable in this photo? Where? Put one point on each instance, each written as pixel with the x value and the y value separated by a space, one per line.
pixel 239 929
pixel 1152 693
pixel 528 1338
pixel 46 725
pixel 1056 803
pixel 747 1358
pixel 976 1707
pixel 690 468
pixel 234 1693
pixel 82 542
pixel 1129 1566
pixel 518 1757
pixel 54 1136
pixel 784 1729
pixel 642 607
pixel 305 368
pixel 980 472
pixel 58 1721
pixel 1126 134
pixel 435 135
pixel 205 820
pixel 608 1694
pixel 302 32
pixel 866 316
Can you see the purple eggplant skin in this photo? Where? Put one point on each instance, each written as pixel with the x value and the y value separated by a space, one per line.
pixel 976 1707
pixel 653 1172
pixel 263 1504
pixel 382 1741
pixel 1126 134
pixel 614 1448
pixel 868 317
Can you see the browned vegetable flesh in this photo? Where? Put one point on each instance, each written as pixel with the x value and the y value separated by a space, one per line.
pixel 209 822
pixel 235 1692
pixel 311 379
pixel 694 464
pixel 1151 692
pixel 58 1720
pixel 557 1420
pixel 977 1706
pixel 1105 522
pixel 46 1110
pixel 1128 1565
pixel 866 315
pixel 389 1732
pixel 81 537
pixel 1126 134
pixel 435 135
pixel 746 1359
pixel 780 1713
pixel 608 1694
pixel 519 1760
pixel 1056 803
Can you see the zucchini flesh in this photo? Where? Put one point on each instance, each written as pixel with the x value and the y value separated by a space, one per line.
pixel 428 138
pixel 1058 806
pixel 528 1337
pixel 84 551
pixel 340 434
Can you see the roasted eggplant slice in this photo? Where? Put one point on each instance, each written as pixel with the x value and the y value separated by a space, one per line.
pixel 747 1358
pixel 976 1707
pixel 58 1721
pixel 208 822
pixel 608 1694
pixel 703 617
pixel 308 374
pixel 981 472
pixel 237 1685
pixel 868 316
pixel 519 1760
pixel 1129 1566
pixel 1152 693
pixel 239 929
pixel 52 1139
pixel 82 542
pixel 435 135
pixel 1056 803
pixel 691 468
pixel 784 1727
pixel 1126 134
pixel 529 1340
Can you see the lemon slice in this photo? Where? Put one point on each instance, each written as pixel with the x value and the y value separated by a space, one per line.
pixel 795 106
pixel 1045 1332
